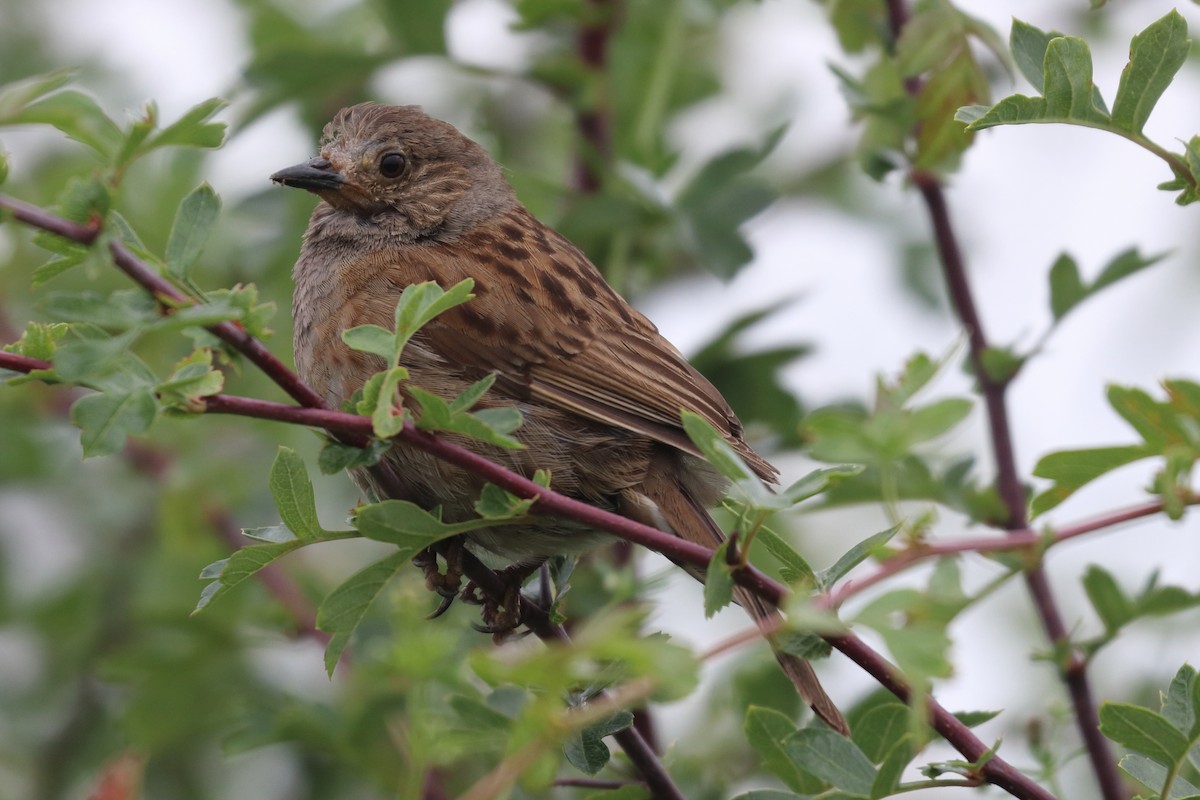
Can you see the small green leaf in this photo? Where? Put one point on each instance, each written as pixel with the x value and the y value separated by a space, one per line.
pixel 758 794
pixel 345 606
pixel 832 758
pixel 293 493
pixel 229 572
pixel 725 460
pixel 193 129
pixel 1112 605
pixel 76 115
pixel 336 456
pixel 1124 264
pixel 793 567
pixel 1066 286
pixel 1028 45
pixel 879 730
pixel 718 582
pixel 1154 776
pixel 408 526
pixel 106 419
pixel 192 379
pixel 421 302
pixel 891 769
pixel 498 504
pixel 467 399
pixel 856 555
pixel 585 748
pixel 379 396
pixel 371 339
pixel 39 340
pixel 1072 469
pixel 1178 704
pixel 936 419
pixel 14 97
pixel 190 231
pixel 334 649
pixel 818 481
pixel 1143 731
pixel 1155 55
pixel 766 730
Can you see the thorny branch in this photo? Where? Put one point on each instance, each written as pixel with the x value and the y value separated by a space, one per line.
pixel 1073 666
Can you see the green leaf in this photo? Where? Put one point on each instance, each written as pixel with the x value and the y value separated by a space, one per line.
pixel 345 606
pixel 76 115
pixel 892 768
pixel 242 564
pixel 818 481
pixel 421 302
pixel 1072 469
pixel 190 231
pixel 293 493
pixel 766 730
pixel 372 339
pixel 718 581
pixel 379 397
pixel 1069 94
pixel 139 129
pixel 1143 731
pixel 793 567
pixel 833 758
pixel 491 425
pixel 336 456
pixel 39 340
pixel 856 555
pixel 408 526
pixel 1028 45
pixel 1124 264
pixel 1155 55
pixel 879 730
pixel 756 794
pixel 498 504
pixel 1154 776
pixel 1066 286
pixel 726 461
pixel 1112 605
pixel 119 310
pixel 934 420
pixel 106 419
pixel 467 399
pixel 1178 704
pixel 192 379
pixel 585 748
pixel 14 97
pixel 193 129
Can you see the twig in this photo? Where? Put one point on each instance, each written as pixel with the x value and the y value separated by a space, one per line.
pixel 1008 480
pixel 1014 540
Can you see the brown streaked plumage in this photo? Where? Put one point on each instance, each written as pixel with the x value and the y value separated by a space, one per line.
pixel 407 198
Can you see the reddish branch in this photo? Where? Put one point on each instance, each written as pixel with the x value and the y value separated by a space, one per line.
pixel 1008 480
pixel 996 771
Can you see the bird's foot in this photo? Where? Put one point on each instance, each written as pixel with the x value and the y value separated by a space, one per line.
pixel 448 583
pixel 500 615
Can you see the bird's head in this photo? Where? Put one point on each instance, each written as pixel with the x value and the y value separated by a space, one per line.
pixel 397 166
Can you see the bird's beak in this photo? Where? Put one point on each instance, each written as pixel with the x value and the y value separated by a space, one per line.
pixel 316 175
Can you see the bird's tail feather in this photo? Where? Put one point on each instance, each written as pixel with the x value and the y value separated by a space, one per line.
pixel 664 504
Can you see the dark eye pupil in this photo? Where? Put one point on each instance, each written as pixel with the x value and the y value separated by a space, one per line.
pixel 391 165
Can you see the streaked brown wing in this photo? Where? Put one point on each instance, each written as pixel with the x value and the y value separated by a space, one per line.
pixel 607 362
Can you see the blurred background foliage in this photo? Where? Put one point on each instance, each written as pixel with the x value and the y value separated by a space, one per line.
pixel 99 658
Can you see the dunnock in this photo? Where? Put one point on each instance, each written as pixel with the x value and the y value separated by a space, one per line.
pixel 407 198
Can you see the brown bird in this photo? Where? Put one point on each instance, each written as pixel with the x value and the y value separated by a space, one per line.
pixel 408 198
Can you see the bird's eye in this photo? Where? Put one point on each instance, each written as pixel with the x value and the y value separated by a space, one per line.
pixel 391 165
